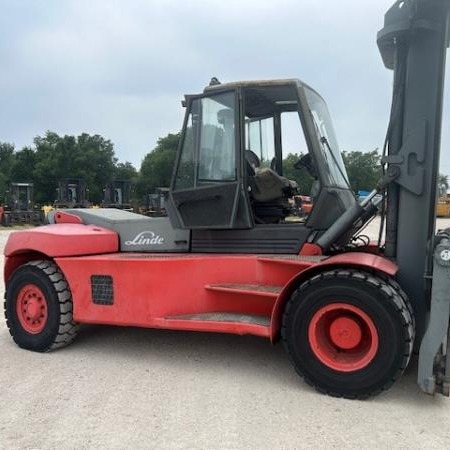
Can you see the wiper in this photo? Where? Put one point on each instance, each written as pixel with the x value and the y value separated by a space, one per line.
pixel 324 140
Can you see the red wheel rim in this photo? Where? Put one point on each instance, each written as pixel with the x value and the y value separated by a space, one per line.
pixel 343 337
pixel 31 308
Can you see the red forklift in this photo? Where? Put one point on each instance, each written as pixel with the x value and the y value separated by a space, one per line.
pixel 349 311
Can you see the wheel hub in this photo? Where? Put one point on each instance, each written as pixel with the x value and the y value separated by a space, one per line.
pixel 345 332
pixel 343 337
pixel 31 309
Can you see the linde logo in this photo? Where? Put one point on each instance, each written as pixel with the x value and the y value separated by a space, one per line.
pixel 146 238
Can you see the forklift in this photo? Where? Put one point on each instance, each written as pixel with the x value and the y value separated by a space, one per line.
pixel 155 203
pixel 72 193
pixel 20 208
pixel 350 312
pixel 117 194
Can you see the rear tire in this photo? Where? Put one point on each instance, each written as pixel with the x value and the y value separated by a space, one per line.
pixel 349 333
pixel 38 307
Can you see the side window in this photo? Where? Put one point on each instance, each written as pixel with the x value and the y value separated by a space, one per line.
pixel 186 169
pixel 260 139
pixel 209 153
pixel 292 137
pixel 217 156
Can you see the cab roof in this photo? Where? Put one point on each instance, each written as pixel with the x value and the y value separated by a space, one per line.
pixel 251 84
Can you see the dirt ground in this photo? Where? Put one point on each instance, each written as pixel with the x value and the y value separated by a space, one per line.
pixel 124 388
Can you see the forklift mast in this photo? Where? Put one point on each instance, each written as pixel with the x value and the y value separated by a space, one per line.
pixel 413 44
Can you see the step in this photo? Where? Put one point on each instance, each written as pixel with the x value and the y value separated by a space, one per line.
pixel 297 260
pixel 219 322
pixel 224 317
pixel 246 289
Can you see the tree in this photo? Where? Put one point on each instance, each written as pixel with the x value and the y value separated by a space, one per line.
pixel 301 176
pixel 363 169
pixel 90 157
pixel 6 163
pixel 157 166
pixel 22 169
pixel 54 157
pixel 125 172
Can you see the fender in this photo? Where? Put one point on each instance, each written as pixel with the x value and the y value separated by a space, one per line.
pixel 358 260
pixel 52 241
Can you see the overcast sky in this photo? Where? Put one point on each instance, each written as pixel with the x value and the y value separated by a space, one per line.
pixel 120 68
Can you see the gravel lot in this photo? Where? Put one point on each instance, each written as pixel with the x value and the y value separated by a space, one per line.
pixel 135 388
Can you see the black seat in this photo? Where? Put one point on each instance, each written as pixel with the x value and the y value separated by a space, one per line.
pixel 269 191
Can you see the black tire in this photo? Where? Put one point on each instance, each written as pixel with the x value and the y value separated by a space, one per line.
pixel 59 328
pixel 389 312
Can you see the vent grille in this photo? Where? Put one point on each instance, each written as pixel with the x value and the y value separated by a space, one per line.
pixel 102 289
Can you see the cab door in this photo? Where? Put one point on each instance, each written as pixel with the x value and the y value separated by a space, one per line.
pixel 208 183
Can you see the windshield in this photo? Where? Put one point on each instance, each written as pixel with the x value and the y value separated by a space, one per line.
pixel 335 172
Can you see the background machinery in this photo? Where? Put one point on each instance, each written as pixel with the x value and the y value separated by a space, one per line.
pixel 117 194
pixel 72 193
pixel 20 208
pixel 155 203
pixel 349 312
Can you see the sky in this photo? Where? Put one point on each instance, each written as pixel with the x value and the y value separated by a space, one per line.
pixel 120 68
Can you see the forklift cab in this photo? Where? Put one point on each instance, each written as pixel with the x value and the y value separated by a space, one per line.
pixel 229 169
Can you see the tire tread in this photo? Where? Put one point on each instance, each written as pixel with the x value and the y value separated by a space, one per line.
pixel 68 328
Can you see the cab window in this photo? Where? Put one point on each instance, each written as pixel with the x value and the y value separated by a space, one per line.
pixel 208 153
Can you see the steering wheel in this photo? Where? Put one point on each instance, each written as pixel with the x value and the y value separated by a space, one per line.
pixel 252 161
pixel 307 163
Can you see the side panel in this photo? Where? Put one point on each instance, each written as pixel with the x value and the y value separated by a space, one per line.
pixel 271 238
pixel 148 289
pixel 63 240
pixel 137 233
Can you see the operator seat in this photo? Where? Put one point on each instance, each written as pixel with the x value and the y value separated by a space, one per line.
pixel 269 191
pixel 268 186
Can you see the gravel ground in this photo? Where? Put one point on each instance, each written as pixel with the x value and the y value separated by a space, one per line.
pixel 136 388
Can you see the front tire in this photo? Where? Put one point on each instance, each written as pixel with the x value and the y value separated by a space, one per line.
pixel 38 307
pixel 349 333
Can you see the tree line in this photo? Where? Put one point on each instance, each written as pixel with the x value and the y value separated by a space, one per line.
pixel 53 158
pixel 92 157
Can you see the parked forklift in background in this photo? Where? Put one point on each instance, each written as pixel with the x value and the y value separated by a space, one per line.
pixel 349 311
pixel 155 203
pixel 117 194
pixel 72 193
pixel 19 208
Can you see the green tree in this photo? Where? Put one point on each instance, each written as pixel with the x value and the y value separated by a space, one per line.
pixel 157 166
pixel 22 168
pixel 363 169
pixel 6 163
pixel 301 176
pixel 90 157
pixel 125 171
